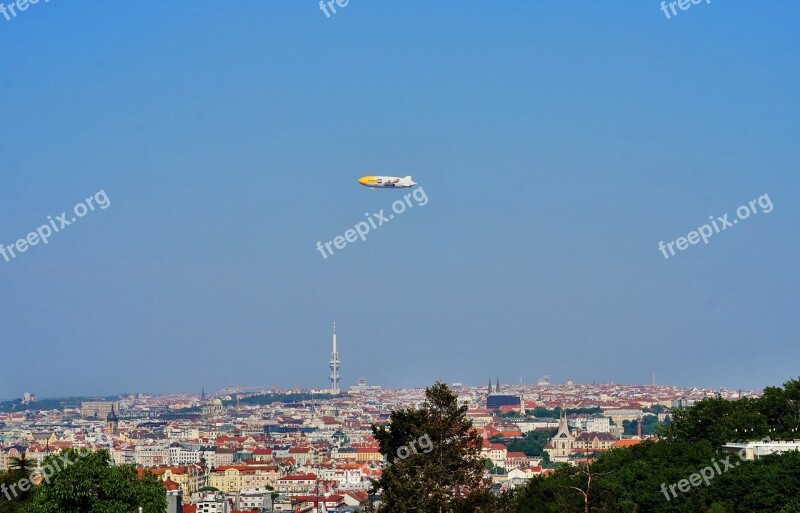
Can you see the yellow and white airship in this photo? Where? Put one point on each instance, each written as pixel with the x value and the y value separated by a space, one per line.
pixel 386 181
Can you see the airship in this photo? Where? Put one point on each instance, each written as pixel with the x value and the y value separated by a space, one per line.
pixel 386 181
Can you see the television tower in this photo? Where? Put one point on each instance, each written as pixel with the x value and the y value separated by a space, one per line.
pixel 334 365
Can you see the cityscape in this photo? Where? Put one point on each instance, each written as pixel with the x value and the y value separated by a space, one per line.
pixel 272 449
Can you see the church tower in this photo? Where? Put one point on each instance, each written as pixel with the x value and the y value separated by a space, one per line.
pixel 561 445
pixel 112 423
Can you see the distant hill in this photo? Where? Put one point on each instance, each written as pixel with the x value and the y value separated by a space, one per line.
pixel 57 403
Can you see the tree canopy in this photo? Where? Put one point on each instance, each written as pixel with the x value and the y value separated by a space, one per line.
pixel 91 484
pixel 445 476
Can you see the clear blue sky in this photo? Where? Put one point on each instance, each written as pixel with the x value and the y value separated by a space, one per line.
pixel 557 142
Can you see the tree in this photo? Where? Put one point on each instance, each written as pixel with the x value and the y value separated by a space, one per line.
pixel 587 475
pixel 781 406
pixel 532 444
pixel 551 494
pixel 89 483
pixel 771 483
pixel 718 507
pixel 792 507
pixel 16 484
pixel 649 425
pixel 718 421
pixel 776 414
pixel 443 475
pixel 6 506
pixel 20 467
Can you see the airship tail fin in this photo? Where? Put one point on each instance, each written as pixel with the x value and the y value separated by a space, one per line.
pixel 408 178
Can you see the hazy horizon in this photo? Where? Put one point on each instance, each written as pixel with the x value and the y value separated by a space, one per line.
pixel 214 392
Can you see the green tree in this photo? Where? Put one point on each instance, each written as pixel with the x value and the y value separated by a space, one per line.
pixel 641 474
pixel 792 507
pixel 444 479
pixel 89 483
pixel 718 421
pixel 649 425
pixel 781 407
pixel 551 494
pixel 532 444
pixel 16 484
pixel 6 505
pixel 771 483
pixel 718 507
pixel 20 467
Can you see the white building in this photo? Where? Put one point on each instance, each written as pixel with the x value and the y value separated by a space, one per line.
pixel 756 450
pixel 151 456
pixel 534 423
pixel 618 416
pixel 180 456
pixel 253 499
pixel 495 452
pixel 592 424
pixel 211 502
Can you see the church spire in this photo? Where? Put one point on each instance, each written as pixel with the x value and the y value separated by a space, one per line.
pixel 112 422
pixel 563 425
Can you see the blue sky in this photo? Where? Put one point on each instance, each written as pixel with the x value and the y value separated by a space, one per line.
pixel 557 143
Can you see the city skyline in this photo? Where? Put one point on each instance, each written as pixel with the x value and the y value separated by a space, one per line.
pixel 257 390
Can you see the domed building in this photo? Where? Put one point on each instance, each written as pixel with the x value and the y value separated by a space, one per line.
pixel 215 409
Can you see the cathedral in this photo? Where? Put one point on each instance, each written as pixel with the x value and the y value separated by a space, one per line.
pixel 562 444
pixel 578 444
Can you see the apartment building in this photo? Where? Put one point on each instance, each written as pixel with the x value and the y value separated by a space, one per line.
pixel 233 478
